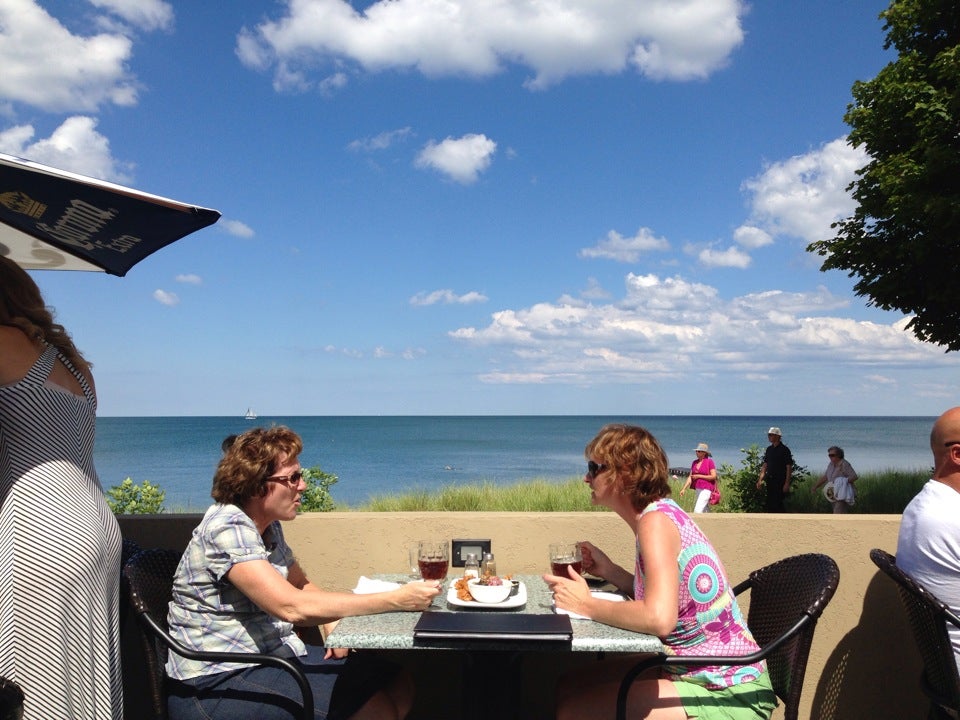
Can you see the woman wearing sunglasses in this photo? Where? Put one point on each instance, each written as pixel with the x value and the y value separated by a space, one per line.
pixel 239 587
pixel 679 592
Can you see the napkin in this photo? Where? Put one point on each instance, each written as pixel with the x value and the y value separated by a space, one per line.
pixel 577 616
pixel 367 585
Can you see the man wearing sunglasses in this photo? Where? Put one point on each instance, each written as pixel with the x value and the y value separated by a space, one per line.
pixel 928 547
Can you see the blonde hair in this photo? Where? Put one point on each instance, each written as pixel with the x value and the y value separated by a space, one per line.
pixel 640 464
pixel 22 306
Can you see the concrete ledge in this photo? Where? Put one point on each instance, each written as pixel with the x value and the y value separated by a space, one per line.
pixel 863 663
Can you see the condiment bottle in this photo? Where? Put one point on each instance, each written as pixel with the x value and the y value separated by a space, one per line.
pixel 471 568
pixel 489 565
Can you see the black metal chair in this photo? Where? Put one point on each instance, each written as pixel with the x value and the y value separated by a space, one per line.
pixel 786 600
pixel 928 618
pixel 149 575
pixel 127 551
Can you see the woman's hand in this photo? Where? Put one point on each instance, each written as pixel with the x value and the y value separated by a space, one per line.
pixel 570 593
pixel 337 653
pixel 595 561
pixel 416 595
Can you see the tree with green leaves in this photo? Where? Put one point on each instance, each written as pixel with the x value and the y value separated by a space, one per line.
pixel 903 240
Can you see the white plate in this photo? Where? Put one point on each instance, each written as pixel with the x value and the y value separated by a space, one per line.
pixel 512 601
pixel 613 597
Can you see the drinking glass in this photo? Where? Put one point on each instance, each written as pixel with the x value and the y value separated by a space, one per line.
pixel 433 559
pixel 413 560
pixel 562 556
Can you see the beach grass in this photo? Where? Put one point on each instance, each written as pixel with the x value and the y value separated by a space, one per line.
pixel 887 491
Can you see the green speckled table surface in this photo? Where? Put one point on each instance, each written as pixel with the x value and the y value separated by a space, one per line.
pixel 394 631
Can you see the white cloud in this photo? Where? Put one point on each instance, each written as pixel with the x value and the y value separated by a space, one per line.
pixel 333 82
pixel 380 142
pixel 48 67
pixel 236 228
pixel 662 39
pixel 143 14
pixel 672 328
pixel 803 195
pixel 462 159
pixel 731 257
pixel 189 279
pixel 617 247
pixel 447 297
pixel 75 146
pixel 751 237
pixel 166 298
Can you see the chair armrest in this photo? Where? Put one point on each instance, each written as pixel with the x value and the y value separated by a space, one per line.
pixel 236 657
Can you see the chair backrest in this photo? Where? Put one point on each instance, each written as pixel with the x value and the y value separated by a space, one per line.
pixel 149 575
pixel 790 592
pixel 928 618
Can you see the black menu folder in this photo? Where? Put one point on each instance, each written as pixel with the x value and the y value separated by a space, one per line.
pixel 493 626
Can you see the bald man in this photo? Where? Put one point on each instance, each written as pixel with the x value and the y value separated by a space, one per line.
pixel 928 548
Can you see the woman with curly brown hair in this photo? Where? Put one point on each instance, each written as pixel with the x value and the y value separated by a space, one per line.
pixel 239 587
pixel 59 541
pixel 679 592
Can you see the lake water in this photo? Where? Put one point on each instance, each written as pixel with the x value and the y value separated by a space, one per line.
pixel 375 455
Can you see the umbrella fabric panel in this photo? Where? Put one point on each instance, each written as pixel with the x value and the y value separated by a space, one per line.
pixel 51 219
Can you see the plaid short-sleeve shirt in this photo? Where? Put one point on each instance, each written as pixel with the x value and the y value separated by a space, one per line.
pixel 207 612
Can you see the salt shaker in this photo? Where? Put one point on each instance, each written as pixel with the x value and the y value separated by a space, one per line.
pixel 471 568
pixel 489 565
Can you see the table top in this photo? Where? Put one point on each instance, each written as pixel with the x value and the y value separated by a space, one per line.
pixel 394 630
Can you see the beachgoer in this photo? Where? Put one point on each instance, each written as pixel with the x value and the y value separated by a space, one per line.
pixel 239 587
pixel 928 547
pixel 703 478
pixel 777 470
pixel 841 476
pixel 686 601
pixel 59 541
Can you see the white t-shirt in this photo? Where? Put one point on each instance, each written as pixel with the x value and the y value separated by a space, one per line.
pixel 928 547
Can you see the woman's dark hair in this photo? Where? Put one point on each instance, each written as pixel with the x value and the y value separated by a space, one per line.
pixel 834 450
pixel 637 459
pixel 252 457
pixel 22 306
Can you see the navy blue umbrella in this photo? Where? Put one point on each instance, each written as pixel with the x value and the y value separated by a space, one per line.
pixel 56 220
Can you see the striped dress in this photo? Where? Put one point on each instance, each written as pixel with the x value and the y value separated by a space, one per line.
pixel 59 553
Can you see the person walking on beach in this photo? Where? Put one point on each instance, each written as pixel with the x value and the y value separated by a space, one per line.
pixel 59 541
pixel 928 546
pixel 840 477
pixel 703 478
pixel 777 470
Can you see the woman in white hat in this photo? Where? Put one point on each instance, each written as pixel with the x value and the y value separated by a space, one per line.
pixel 703 478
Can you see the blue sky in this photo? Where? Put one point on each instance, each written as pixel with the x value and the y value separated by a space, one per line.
pixel 577 207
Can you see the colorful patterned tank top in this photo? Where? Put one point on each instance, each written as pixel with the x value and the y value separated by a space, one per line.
pixel 709 621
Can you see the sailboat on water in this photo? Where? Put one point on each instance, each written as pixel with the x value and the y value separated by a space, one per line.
pixel 250 414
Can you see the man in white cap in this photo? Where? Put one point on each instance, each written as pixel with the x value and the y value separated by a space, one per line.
pixel 777 470
pixel 928 547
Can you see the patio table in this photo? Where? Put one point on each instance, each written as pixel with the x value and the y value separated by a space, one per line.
pixel 394 630
pixel 494 662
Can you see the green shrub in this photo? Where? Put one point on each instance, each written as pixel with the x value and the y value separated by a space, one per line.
pixel 129 499
pixel 738 488
pixel 316 497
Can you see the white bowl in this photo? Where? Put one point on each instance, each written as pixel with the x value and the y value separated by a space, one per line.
pixel 489 593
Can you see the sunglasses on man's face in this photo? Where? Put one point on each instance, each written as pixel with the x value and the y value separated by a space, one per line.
pixel 594 469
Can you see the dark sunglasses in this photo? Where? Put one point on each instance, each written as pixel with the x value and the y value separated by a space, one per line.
pixel 292 479
pixel 832 455
pixel 594 469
